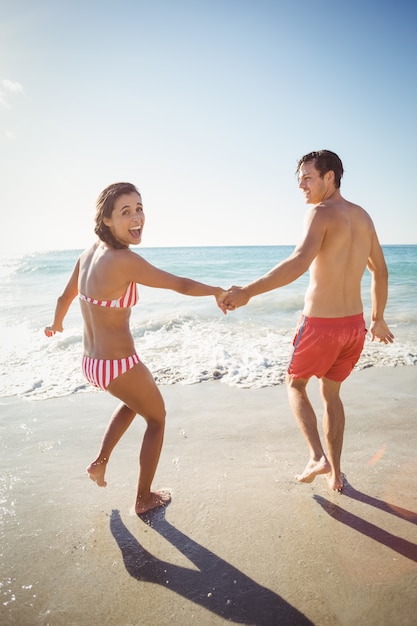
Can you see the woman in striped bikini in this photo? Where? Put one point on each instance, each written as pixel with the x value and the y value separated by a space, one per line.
pixel 104 278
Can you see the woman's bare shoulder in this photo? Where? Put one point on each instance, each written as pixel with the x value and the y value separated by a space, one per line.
pixel 88 253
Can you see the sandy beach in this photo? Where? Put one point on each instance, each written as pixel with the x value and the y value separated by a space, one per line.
pixel 241 541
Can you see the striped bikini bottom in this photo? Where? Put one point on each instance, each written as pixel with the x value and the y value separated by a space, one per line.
pixel 101 372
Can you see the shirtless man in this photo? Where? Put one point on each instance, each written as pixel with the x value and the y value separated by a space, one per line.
pixel 339 243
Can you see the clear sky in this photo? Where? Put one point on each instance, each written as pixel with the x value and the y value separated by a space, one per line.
pixel 205 105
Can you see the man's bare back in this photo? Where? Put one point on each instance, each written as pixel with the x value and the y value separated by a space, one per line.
pixel 336 272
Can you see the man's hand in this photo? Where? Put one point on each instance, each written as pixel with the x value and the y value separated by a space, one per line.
pixel 380 331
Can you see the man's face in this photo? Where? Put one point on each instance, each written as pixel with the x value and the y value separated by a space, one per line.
pixel 314 188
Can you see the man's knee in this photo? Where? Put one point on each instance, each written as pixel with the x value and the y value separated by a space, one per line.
pixel 330 391
pixel 296 384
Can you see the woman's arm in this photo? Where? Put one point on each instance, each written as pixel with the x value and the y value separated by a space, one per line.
pixel 145 273
pixel 63 303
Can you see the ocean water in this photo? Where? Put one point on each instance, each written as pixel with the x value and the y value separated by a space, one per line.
pixel 182 339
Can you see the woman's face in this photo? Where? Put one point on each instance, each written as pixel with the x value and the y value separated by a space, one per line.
pixel 127 219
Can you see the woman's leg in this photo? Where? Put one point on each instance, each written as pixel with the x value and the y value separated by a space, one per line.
pixel 138 391
pixel 119 423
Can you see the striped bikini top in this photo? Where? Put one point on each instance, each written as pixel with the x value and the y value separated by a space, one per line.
pixel 128 299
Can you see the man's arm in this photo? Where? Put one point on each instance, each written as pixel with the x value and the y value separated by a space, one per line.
pixel 379 293
pixel 288 270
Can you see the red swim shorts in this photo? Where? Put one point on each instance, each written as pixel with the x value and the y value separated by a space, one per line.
pixel 328 347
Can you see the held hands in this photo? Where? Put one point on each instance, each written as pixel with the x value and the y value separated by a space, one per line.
pixel 235 298
pixel 231 299
pixel 380 331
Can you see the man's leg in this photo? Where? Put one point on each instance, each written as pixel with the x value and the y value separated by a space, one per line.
pixel 307 422
pixel 333 427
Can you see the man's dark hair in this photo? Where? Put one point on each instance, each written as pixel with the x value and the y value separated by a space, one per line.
pixel 324 161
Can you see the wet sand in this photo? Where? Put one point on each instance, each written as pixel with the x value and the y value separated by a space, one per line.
pixel 241 541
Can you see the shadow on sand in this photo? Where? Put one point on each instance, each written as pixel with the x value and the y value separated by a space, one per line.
pixel 393 509
pixel 216 585
pixel 402 546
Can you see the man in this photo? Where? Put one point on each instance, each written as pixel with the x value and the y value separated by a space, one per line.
pixel 339 243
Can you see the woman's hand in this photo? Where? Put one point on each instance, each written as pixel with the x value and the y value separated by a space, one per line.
pixel 50 331
pixel 221 296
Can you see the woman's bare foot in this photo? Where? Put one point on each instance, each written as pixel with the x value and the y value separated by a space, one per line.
pixel 312 469
pixel 96 471
pixel 152 501
pixel 335 482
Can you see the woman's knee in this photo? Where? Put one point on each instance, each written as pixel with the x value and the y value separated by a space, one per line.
pixel 156 419
pixel 156 410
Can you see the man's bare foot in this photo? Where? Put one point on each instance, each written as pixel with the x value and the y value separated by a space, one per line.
pixel 96 472
pixel 335 482
pixel 312 469
pixel 154 500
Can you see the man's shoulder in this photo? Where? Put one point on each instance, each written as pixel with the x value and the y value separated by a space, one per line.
pixel 360 214
pixel 339 204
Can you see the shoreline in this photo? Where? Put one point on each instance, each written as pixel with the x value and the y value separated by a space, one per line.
pixel 241 542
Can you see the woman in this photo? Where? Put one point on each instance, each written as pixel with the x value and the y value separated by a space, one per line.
pixel 105 278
